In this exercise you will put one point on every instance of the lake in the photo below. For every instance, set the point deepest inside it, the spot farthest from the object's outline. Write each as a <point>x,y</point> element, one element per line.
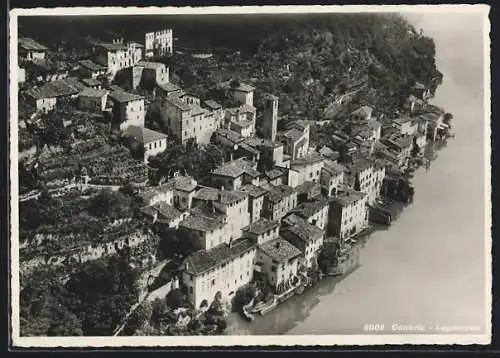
<point>429,267</point>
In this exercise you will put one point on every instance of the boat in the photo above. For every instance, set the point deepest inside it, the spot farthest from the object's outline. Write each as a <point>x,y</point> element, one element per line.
<point>380,214</point>
<point>245,311</point>
<point>269,305</point>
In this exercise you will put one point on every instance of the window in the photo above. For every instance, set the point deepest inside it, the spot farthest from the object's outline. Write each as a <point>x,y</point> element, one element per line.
<point>213,282</point>
<point>190,290</point>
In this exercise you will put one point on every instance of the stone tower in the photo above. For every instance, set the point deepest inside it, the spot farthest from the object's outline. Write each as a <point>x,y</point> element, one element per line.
<point>270,117</point>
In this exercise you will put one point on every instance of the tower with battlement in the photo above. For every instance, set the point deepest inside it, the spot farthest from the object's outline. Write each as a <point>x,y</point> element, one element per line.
<point>159,43</point>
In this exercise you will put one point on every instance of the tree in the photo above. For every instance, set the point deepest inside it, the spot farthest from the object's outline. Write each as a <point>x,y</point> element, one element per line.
<point>110,204</point>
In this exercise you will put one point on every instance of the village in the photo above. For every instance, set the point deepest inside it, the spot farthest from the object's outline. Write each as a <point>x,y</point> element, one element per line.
<point>274,216</point>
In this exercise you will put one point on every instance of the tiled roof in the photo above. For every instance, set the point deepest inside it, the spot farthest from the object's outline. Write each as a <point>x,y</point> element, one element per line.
<point>246,108</point>
<point>169,87</point>
<point>254,191</point>
<point>326,151</point>
<point>303,230</point>
<point>243,87</point>
<point>212,104</point>
<point>245,123</point>
<point>262,142</point>
<point>124,97</point>
<point>364,111</point>
<point>165,211</point>
<point>177,102</point>
<point>307,186</point>
<point>201,223</point>
<point>113,47</point>
<point>225,197</point>
<point>294,134</point>
<point>402,120</point>
<point>236,168</point>
<point>150,65</point>
<point>145,135</point>
<point>250,149</point>
<point>280,250</point>
<point>274,173</point>
<point>92,92</point>
<point>91,65</point>
<point>347,197</point>
<point>183,183</point>
<point>333,167</point>
<point>269,96</point>
<point>230,135</point>
<point>136,44</point>
<point>91,82</point>
<point>202,260</point>
<point>261,226</point>
<point>276,193</point>
<point>314,157</point>
<point>430,116</point>
<point>309,208</point>
<point>195,109</point>
<point>30,44</point>
<point>55,89</point>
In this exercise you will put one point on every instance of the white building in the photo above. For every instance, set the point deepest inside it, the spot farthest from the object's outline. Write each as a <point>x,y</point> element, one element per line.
<point>306,237</point>
<point>332,177</point>
<point>308,167</point>
<point>154,142</point>
<point>279,260</point>
<point>243,94</point>
<point>262,231</point>
<point>348,214</point>
<point>128,109</point>
<point>93,100</point>
<point>219,272</point>
<point>159,43</point>
<point>30,50</point>
<point>117,56</point>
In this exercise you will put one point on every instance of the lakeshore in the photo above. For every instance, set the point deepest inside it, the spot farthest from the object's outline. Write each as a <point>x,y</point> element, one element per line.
<point>428,266</point>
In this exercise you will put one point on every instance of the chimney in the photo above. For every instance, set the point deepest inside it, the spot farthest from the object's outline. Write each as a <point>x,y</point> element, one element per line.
<point>231,242</point>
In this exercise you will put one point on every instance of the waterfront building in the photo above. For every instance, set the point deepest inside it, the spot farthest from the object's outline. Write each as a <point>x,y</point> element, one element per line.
<point>235,174</point>
<point>152,141</point>
<point>243,94</point>
<point>187,120</point>
<point>331,178</point>
<point>420,91</point>
<point>255,200</point>
<point>128,109</point>
<point>93,100</point>
<point>405,125</point>
<point>262,230</point>
<point>400,147</point>
<point>366,176</point>
<point>434,117</point>
<point>90,69</point>
<point>314,211</point>
<point>159,43</point>
<point>219,272</point>
<point>29,49</point>
<point>306,237</point>
<point>278,260</point>
<point>270,117</point>
<point>278,201</point>
<point>308,167</point>
<point>348,214</point>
